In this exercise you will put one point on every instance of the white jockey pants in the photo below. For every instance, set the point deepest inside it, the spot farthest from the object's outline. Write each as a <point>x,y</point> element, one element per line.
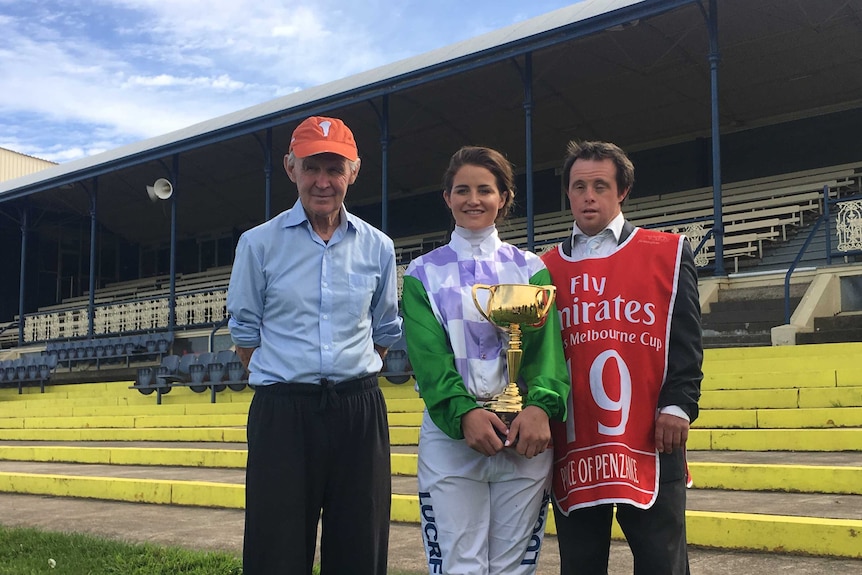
<point>480,515</point>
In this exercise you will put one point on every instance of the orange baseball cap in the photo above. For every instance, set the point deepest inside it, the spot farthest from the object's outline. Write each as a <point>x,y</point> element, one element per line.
<point>319,134</point>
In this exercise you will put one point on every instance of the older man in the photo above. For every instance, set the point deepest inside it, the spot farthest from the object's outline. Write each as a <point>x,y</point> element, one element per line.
<point>313,308</point>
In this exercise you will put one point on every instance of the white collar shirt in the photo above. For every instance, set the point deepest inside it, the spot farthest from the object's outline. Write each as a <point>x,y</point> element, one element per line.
<point>600,245</point>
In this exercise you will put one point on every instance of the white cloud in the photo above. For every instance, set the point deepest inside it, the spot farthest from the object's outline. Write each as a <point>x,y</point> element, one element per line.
<point>81,77</point>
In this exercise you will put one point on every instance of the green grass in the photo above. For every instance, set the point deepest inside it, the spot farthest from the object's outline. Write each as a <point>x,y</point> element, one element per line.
<point>31,552</point>
<point>25,551</point>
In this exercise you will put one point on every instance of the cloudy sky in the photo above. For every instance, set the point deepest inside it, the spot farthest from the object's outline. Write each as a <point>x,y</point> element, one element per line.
<point>78,77</point>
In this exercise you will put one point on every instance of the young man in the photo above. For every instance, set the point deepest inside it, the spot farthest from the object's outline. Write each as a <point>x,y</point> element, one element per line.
<point>313,307</point>
<point>630,318</point>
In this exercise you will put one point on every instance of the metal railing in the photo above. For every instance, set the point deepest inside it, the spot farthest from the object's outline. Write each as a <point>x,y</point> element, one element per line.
<point>827,218</point>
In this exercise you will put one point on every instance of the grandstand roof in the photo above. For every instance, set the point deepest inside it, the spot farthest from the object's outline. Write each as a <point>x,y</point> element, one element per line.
<point>632,71</point>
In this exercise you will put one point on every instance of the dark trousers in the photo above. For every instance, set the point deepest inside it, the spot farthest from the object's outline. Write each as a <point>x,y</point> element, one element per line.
<point>317,448</point>
<point>656,535</point>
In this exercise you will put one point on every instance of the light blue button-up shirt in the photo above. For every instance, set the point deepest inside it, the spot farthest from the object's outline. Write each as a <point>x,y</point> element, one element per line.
<point>313,309</point>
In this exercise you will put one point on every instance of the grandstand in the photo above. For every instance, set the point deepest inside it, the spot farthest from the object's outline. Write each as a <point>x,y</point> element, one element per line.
<point>163,266</point>
<point>127,296</point>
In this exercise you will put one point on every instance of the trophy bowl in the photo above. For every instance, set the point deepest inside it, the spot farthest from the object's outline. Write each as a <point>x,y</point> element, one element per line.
<point>509,306</point>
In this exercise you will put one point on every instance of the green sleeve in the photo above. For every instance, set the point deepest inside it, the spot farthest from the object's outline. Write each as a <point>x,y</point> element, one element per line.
<point>543,364</point>
<point>441,386</point>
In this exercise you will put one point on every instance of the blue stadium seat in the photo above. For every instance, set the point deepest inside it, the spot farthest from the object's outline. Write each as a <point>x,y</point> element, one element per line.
<point>236,373</point>
<point>47,365</point>
<point>396,366</point>
<point>130,344</point>
<point>20,370</point>
<point>12,370</point>
<point>168,371</point>
<point>150,342</point>
<point>164,341</point>
<point>181,374</point>
<point>145,379</point>
<point>119,346</point>
<point>32,363</point>
<point>198,371</point>
<point>217,367</point>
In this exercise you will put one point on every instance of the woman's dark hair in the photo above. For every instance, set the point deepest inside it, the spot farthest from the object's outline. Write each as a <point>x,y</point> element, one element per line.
<point>494,162</point>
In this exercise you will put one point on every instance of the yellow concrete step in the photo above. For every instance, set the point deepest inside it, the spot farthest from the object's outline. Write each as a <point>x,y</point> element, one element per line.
<point>791,534</point>
<point>796,418</point>
<point>125,421</point>
<point>799,478</point>
<point>172,416</point>
<point>808,377</point>
<point>111,405</point>
<point>769,380</point>
<point>710,400</point>
<point>836,350</point>
<point>767,477</point>
<point>120,396</point>
<point>403,391</point>
<point>775,439</point>
<point>783,364</point>
<point>178,409</point>
<point>187,434</point>
<point>699,439</point>
<point>405,405</point>
<point>781,398</point>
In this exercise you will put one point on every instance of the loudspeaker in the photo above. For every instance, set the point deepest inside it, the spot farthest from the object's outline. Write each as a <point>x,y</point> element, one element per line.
<point>160,190</point>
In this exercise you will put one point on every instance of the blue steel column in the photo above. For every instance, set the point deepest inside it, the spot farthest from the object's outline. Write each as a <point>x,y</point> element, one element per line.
<point>172,299</point>
<point>91,305</point>
<point>528,134</point>
<point>266,148</point>
<point>827,219</point>
<point>267,171</point>
<point>384,163</point>
<point>22,284</point>
<point>714,59</point>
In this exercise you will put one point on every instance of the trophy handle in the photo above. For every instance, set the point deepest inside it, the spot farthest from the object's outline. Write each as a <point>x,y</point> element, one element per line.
<point>550,292</point>
<point>476,288</point>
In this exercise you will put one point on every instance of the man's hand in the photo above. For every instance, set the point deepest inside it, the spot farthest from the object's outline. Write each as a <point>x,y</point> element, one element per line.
<point>244,354</point>
<point>381,351</point>
<point>532,432</point>
<point>671,432</point>
<point>480,428</point>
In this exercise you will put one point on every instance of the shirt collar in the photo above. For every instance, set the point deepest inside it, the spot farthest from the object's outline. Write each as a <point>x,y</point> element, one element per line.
<point>488,246</point>
<point>615,227</point>
<point>296,216</point>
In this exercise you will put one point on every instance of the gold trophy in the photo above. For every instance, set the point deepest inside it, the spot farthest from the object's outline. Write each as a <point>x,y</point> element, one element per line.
<point>509,307</point>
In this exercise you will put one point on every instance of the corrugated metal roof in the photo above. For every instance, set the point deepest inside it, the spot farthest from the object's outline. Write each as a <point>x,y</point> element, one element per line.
<point>278,110</point>
<point>15,164</point>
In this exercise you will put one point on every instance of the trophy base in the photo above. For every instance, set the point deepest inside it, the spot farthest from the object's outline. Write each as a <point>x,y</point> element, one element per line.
<point>507,417</point>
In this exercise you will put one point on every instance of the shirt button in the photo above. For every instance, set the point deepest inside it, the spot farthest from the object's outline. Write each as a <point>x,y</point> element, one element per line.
<point>325,317</point>
<point>483,356</point>
<point>325,284</point>
<point>325,347</point>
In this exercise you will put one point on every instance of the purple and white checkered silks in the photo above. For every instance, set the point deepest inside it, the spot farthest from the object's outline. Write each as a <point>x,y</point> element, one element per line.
<point>448,274</point>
